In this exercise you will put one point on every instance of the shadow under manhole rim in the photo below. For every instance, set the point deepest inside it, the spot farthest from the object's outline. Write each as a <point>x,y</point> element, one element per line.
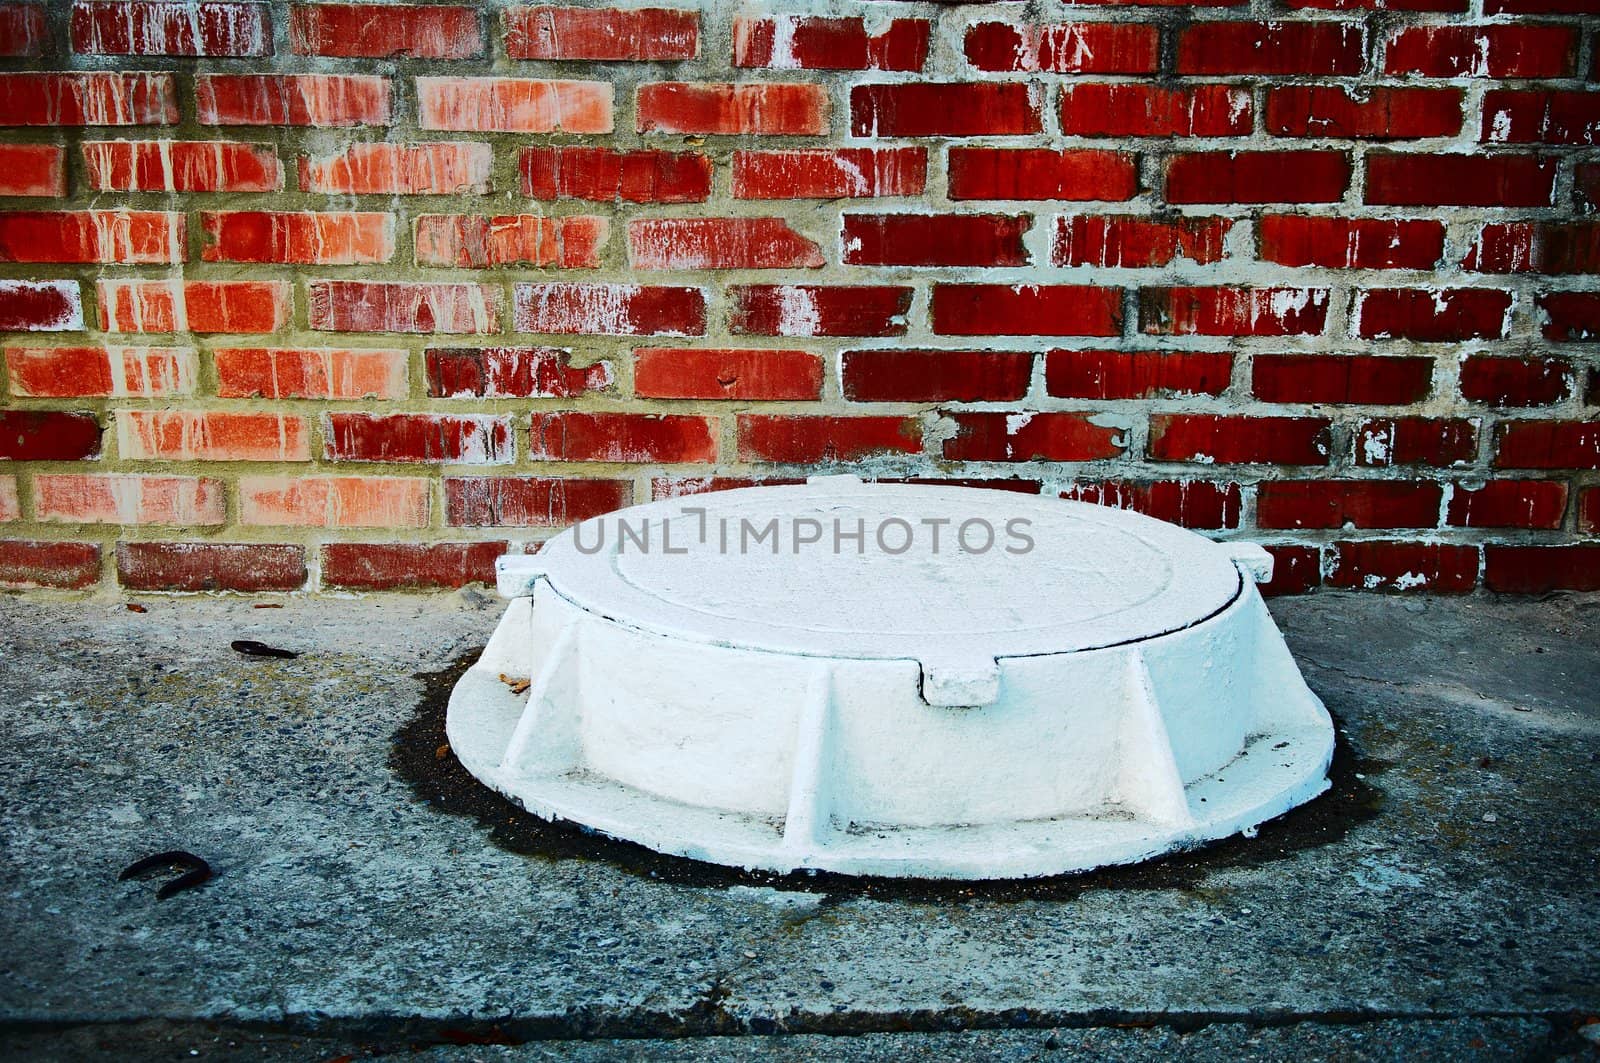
<point>422,757</point>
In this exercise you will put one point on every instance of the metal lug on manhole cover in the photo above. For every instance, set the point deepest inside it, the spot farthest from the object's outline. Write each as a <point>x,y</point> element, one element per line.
<point>805,677</point>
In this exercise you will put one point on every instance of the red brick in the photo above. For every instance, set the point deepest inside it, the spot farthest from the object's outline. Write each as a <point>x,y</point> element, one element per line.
<point>513,105</point>
<point>408,566</point>
<point>1374,114</point>
<point>818,310</point>
<point>193,306</point>
<point>1187,503</point>
<point>935,239</point>
<point>74,498</point>
<point>1065,48</point>
<point>1541,7</point>
<point>1295,570</point>
<point>1570,316</point>
<point>399,306</point>
<point>334,501</point>
<point>1432,316</point>
<point>684,486</point>
<point>928,109</point>
<point>745,108</point>
<point>1514,381</point>
<point>1508,504</point>
<point>1233,311</point>
<point>1134,110</point>
<point>1547,445</point>
<point>10,506</point>
<point>1588,181</point>
<point>392,31</point>
<point>1135,374</point>
<point>1439,441</point>
<point>1540,569</point>
<point>1374,380</point>
<point>1325,48</point>
<point>40,306</point>
<point>1589,510</point>
<point>182,166</point>
<point>310,372</point>
<point>435,168</point>
<point>829,173</point>
<point>719,243</point>
<point>624,437</point>
<point>1235,440</point>
<point>1042,173</point>
<point>80,99</point>
<point>1436,568</point>
<point>23,30</point>
<point>33,170</point>
<point>610,309</point>
<point>896,375</point>
<point>530,501</point>
<point>1033,437</point>
<point>1450,6</point>
<point>476,242</point>
<point>26,563</point>
<point>216,435</point>
<point>1348,503</point>
<point>977,483</point>
<point>120,372</point>
<point>510,372</point>
<point>605,34</point>
<point>1350,243</point>
<point>1517,116</point>
<point>1026,310</point>
<point>1257,177</point>
<point>171,27</point>
<point>1536,247</point>
<point>130,237</point>
<point>428,438</point>
<point>39,435</point>
<point>604,175</point>
<point>721,373</point>
<point>1482,51</point>
<point>1133,241</point>
<point>1459,180</point>
<point>803,42</point>
<point>337,238</point>
<point>817,440</point>
<point>321,100</point>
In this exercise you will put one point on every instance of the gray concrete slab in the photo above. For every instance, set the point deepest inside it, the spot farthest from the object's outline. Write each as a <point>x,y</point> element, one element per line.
<point>1449,895</point>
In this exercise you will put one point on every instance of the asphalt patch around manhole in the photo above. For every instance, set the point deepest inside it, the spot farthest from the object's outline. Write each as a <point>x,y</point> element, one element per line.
<point>421,756</point>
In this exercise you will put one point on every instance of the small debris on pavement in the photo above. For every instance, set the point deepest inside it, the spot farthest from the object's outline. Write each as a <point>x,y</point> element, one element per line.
<point>135,607</point>
<point>251,648</point>
<point>517,685</point>
<point>198,870</point>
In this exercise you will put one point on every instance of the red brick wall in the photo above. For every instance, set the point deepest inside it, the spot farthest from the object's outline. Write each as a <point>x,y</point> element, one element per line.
<point>331,295</point>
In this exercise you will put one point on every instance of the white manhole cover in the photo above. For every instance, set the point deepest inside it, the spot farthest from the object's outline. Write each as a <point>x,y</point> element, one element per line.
<point>892,680</point>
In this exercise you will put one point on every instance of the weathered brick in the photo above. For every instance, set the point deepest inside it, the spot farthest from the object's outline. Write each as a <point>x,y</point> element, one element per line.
<point>1438,441</point>
<point>1373,114</point>
<point>510,372</point>
<point>1570,316</point>
<point>935,239</point>
<point>530,501</point>
<point>33,170</point>
<point>604,34</point>
<point>1526,116</point>
<point>411,566</point>
<point>40,306</point>
<point>1026,310</point>
<point>1496,51</point>
<point>181,166</point>
<point>330,238</point>
<point>392,31</point>
<point>1226,439</point>
<point>685,486</point>
<point>472,241</point>
<point>401,306</point>
<point>719,243</point>
<point>1257,177</point>
<point>1528,380</point>
<point>1194,311</point>
<point>435,168</point>
<point>23,30</point>
<point>513,105</point>
<point>310,372</point>
<point>605,175</point>
<point>744,108</point>
<point>1135,110</point>
<point>334,501</point>
<point>426,438</point>
<point>193,306</point>
<point>1459,180</point>
<point>897,375</point>
<point>321,100</point>
<point>87,98</point>
<point>1042,173</point>
<point>1034,437</point>
<point>1187,503</point>
<point>121,498</point>
<point>622,437</point>
<point>1348,504</point>
<point>1132,240</point>
<point>40,435</point>
<point>1536,247</point>
<point>1135,374</point>
<point>1375,380</point>
<point>10,504</point>
<point>828,173</point>
<point>116,372</point>
<point>1350,243</point>
<point>805,42</point>
<point>1541,569</point>
<point>1295,570</point>
<point>171,27</point>
<point>1325,48</point>
<point>927,109</point>
<point>1589,510</point>
<point>1436,568</point>
<point>723,373</point>
<point>26,563</point>
<point>819,310</point>
<point>131,237</point>
<point>1547,445</point>
<point>1508,504</point>
<point>1432,316</point>
<point>214,435</point>
<point>817,440</point>
<point>610,309</point>
<point>1065,48</point>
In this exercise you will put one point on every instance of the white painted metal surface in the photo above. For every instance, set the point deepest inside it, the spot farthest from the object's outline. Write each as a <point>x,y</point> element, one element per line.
<point>797,677</point>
